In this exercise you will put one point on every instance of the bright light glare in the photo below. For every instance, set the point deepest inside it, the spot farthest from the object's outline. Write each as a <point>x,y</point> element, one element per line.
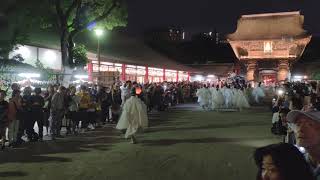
<point>24,52</point>
<point>98,32</point>
<point>199,78</point>
<point>280,92</point>
<point>50,56</point>
<point>210,76</point>
<point>29,75</point>
<point>81,76</point>
<point>301,149</point>
<point>297,77</point>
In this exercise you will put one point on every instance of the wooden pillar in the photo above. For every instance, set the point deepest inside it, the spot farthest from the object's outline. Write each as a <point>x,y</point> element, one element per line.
<point>146,77</point>
<point>251,68</point>
<point>123,73</point>
<point>177,76</point>
<point>164,74</point>
<point>188,76</point>
<point>90,70</point>
<point>283,70</point>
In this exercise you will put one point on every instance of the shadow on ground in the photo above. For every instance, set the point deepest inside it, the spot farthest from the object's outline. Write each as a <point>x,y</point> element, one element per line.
<point>38,152</point>
<point>168,142</point>
<point>211,126</point>
<point>12,174</point>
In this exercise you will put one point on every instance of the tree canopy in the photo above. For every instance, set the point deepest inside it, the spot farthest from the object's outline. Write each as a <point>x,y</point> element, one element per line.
<point>77,15</point>
<point>67,17</point>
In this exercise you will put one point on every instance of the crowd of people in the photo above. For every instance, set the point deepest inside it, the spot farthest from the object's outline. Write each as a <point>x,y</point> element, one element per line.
<point>229,96</point>
<point>82,108</point>
<point>296,117</point>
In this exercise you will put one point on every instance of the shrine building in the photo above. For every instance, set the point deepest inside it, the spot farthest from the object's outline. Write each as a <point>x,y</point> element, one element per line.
<point>268,44</point>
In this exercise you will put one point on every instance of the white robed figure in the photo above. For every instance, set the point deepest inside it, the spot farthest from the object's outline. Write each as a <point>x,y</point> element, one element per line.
<point>258,93</point>
<point>214,98</point>
<point>204,97</point>
<point>235,96</point>
<point>133,116</point>
<point>242,101</point>
<point>227,94</point>
<point>220,98</point>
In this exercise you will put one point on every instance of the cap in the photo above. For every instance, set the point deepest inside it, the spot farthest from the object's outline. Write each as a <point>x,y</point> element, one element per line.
<point>292,115</point>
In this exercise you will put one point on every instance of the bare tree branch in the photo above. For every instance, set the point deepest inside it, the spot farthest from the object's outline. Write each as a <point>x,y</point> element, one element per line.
<point>78,6</point>
<point>59,11</point>
<point>74,4</point>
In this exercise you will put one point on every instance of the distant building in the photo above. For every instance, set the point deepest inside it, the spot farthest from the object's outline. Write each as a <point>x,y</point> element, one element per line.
<point>169,34</point>
<point>269,43</point>
<point>210,36</point>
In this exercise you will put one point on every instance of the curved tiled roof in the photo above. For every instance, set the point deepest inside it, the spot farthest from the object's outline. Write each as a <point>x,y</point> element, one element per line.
<point>115,47</point>
<point>269,26</point>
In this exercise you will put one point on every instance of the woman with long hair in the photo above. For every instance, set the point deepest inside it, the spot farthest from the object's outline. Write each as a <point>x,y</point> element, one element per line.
<point>281,162</point>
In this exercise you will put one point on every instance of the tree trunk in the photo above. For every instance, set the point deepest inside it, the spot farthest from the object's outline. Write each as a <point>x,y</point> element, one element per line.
<point>66,70</point>
<point>70,49</point>
<point>64,48</point>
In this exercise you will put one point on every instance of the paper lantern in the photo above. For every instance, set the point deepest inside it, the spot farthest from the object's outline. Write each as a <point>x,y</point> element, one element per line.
<point>138,90</point>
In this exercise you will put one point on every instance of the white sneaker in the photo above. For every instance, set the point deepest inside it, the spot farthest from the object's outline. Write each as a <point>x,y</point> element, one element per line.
<point>91,127</point>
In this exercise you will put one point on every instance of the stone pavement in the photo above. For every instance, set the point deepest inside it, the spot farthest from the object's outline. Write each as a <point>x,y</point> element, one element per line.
<point>182,143</point>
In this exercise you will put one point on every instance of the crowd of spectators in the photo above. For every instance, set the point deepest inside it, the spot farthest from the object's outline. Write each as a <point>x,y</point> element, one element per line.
<point>77,108</point>
<point>296,117</point>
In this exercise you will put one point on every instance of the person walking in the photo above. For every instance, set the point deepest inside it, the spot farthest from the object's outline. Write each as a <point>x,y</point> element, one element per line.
<point>57,112</point>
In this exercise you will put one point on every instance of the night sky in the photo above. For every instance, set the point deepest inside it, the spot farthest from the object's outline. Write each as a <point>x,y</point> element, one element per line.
<point>207,15</point>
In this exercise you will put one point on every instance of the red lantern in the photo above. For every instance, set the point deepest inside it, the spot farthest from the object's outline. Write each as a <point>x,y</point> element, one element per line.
<point>138,90</point>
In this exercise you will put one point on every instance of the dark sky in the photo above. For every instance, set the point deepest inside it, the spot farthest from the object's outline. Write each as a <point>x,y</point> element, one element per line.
<point>206,15</point>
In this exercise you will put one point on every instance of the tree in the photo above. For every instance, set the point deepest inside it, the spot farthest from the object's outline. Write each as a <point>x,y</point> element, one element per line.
<point>74,16</point>
<point>80,56</point>
<point>15,21</point>
<point>47,74</point>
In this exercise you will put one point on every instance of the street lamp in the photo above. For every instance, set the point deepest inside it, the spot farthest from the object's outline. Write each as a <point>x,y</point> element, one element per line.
<point>99,33</point>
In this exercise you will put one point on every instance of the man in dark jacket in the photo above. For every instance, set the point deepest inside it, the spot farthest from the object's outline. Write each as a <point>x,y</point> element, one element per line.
<point>37,103</point>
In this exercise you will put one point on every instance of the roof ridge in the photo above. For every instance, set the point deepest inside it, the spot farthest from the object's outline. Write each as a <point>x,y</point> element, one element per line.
<point>271,14</point>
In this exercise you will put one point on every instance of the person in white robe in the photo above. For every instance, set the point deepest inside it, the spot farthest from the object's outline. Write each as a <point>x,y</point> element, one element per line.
<point>235,96</point>
<point>204,97</point>
<point>220,98</point>
<point>125,91</point>
<point>133,116</point>
<point>258,93</point>
<point>214,98</point>
<point>227,93</point>
<point>242,101</point>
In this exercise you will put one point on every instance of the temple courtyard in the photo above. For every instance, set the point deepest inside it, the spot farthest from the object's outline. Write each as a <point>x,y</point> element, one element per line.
<point>182,143</point>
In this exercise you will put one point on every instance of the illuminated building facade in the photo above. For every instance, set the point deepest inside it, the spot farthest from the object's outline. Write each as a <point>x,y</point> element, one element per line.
<point>112,69</point>
<point>268,44</point>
